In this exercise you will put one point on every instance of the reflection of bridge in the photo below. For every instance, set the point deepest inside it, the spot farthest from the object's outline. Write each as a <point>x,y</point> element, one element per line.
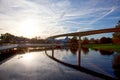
<point>5,56</point>
<point>85,33</point>
<point>26,45</point>
<point>80,34</point>
<point>79,67</point>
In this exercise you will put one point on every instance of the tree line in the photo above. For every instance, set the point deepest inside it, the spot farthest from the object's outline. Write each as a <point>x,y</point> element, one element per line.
<point>12,39</point>
<point>104,40</point>
<point>8,38</point>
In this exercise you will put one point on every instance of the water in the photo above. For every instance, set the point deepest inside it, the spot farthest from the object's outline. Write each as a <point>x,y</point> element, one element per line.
<point>61,64</point>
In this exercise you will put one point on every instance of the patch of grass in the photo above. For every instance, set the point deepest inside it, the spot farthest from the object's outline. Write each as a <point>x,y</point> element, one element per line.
<point>106,47</point>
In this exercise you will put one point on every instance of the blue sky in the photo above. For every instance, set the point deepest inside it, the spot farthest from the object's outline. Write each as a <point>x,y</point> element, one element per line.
<point>45,18</point>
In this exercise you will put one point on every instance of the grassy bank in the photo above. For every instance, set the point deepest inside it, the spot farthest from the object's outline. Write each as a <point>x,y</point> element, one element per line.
<point>106,47</point>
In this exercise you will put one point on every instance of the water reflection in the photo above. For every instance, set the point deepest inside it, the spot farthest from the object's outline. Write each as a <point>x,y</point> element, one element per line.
<point>103,52</point>
<point>85,50</point>
<point>6,55</point>
<point>73,48</point>
<point>66,48</point>
<point>116,65</point>
<point>101,62</point>
<point>79,67</point>
<point>83,56</point>
<point>27,57</point>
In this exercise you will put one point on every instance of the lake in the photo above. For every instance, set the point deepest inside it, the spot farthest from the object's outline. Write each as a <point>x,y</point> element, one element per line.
<point>63,63</point>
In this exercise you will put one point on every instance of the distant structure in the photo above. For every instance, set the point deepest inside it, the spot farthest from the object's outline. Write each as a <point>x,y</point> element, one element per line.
<point>66,40</point>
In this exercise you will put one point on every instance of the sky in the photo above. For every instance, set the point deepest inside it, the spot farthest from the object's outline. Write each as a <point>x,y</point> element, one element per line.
<point>30,18</point>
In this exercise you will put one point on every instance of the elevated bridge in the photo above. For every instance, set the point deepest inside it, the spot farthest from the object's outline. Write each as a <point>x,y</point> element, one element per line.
<point>79,34</point>
<point>86,33</point>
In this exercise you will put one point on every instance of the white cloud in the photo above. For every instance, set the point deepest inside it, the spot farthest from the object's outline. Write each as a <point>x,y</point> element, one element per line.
<point>47,17</point>
<point>85,29</point>
<point>102,16</point>
<point>52,16</point>
<point>114,17</point>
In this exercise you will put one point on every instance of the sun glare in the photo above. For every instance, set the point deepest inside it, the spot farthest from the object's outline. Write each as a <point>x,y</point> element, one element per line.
<point>29,28</point>
<point>27,57</point>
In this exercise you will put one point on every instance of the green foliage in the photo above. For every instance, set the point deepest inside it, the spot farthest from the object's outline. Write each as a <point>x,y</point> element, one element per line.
<point>6,38</point>
<point>85,40</point>
<point>74,40</point>
<point>105,40</point>
<point>116,35</point>
<point>106,47</point>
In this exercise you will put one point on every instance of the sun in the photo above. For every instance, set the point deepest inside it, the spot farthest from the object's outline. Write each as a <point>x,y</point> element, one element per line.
<point>27,57</point>
<point>29,28</point>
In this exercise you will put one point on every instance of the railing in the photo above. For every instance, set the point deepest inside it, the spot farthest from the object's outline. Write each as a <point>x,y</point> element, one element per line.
<point>85,33</point>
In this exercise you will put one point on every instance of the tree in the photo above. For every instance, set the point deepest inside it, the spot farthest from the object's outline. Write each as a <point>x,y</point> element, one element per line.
<point>105,40</point>
<point>85,40</point>
<point>7,38</point>
<point>93,41</point>
<point>109,40</point>
<point>74,40</point>
<point>116,35</point>
<point>73,44</point>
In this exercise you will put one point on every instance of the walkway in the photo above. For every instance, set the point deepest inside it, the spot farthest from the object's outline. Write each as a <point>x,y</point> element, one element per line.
<point>26,45</point>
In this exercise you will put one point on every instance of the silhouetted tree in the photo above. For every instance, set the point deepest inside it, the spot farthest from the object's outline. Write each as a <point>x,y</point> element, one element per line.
<point>73,45</point>
<point>104,40</point>
<point>116,35</point>
<point>73,49</point>
<point>74,40</point>
<point>92,40</point>
<point>109,40</point>
<point>85,50</point>
<point>85,40</point>
<point>116,65</point>
<point>7,38</point>
<point>103,52</point>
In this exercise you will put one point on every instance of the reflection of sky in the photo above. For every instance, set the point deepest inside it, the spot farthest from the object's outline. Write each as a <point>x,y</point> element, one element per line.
<point>93,61</point>
<point>36,65</point>
<point>40,67</point>
<point>72,59</point>
<point>51,17</point>
<point>97,62</point>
